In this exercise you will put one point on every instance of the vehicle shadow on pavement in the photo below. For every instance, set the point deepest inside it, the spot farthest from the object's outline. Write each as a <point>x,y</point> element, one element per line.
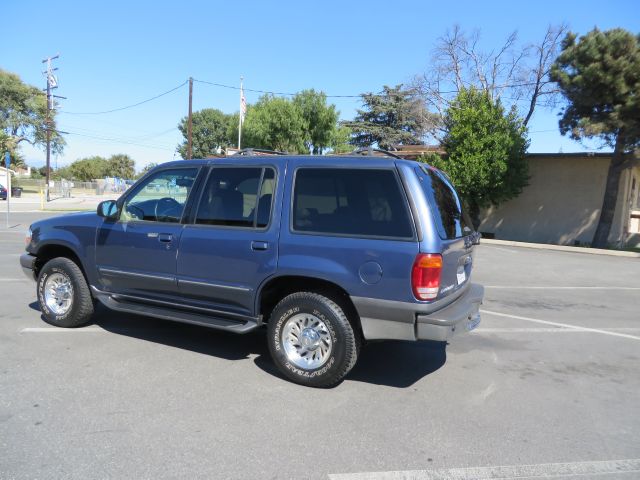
<point>391,363</point>
<point>398,364</point>
<point>207,341</point>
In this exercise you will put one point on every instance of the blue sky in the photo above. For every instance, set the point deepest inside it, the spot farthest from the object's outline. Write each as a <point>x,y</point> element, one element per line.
<point>117,53</point>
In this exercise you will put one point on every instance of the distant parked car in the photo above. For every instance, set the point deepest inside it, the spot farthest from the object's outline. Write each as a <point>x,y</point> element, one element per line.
<point>3,193</point>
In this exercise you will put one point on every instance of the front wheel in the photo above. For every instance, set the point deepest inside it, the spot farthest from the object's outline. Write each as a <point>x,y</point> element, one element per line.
<point>63,294</point>
<point>311,340</point>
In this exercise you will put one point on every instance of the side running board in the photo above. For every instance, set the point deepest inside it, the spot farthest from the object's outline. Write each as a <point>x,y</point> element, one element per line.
<point>122,304</point>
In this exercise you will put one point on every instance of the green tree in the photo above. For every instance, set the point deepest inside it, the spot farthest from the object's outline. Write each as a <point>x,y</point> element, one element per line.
<point>147,168</point>
<point>396,116</point>
<point>341,140</point>
<point>320,119</point>
<point>275,123</point>
<point>85,169</point>
<point>485,149</point>
<point>121,166</point>
<point>23,116</point>
<point>210,132</point>
<point>599,75</point>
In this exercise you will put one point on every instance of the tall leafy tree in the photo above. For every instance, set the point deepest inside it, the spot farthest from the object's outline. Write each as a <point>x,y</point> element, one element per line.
<point>395,116</point>
<point>23,116</point>
<point>275,123</point>
<point>599,74</point>
<point>485,150</point>
<point>340,140</point>
<point>210,132</point>
<point>320,119</point>
<point>86,169</point>
<point>121,166</point>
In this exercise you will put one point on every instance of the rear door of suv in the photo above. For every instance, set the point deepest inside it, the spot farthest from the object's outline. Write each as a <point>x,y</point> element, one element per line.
<point>455,234</point>
<point>348,222</point>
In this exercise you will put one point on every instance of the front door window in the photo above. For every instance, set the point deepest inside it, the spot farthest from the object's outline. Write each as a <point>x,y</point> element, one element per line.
<point>161,197</point>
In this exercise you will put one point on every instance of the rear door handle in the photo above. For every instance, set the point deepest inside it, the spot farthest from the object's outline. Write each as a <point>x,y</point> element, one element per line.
<point>259,245</point>
<point>165,237</point>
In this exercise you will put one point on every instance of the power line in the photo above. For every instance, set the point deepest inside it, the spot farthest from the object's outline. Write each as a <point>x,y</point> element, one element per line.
<point>133,138</point>
<point>116,140</point>
<point>128,106</point>
<point>269,92</point>
<point>232,87</point>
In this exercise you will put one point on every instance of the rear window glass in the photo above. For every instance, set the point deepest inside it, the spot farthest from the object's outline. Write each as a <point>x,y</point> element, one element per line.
<point>350,202</point>
<point>451,220</point>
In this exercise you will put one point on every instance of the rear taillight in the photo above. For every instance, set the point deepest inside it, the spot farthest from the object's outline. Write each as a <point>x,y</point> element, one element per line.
<point>425,276</point>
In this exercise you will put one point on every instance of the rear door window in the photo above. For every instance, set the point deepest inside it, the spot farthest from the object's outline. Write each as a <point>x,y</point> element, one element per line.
<point>237,197</point>
<point>355,202</point>
<point>448,214</point>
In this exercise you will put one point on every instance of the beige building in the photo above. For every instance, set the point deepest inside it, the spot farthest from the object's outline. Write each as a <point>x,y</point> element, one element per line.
<point>561,204</point>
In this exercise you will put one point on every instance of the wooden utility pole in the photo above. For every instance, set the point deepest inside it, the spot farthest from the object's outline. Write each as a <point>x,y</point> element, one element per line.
<point>189,123</point>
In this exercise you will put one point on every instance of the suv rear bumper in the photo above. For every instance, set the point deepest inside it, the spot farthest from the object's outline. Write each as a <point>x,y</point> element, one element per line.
<point>391,320</point>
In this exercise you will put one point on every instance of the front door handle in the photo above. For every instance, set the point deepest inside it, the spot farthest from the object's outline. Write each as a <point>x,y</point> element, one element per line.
<point>165,237</point>
<point>259,245</point>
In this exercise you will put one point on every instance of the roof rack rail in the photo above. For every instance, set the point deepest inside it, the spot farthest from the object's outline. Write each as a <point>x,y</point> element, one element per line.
<point>370,150</point>
<point>253,151</point>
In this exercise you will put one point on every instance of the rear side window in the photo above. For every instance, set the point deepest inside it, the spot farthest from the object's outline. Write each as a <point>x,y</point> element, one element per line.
<point>355,202</point>
<point>237,197</point>
<point>451,220</point>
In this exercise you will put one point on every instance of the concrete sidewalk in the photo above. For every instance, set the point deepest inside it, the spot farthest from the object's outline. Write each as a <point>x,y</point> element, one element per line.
<point>562,248</point>
<point>32,202</point>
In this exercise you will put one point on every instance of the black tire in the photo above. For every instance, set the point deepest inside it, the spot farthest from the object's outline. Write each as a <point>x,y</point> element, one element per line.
<point>81,309</point>
<point>345,347</point>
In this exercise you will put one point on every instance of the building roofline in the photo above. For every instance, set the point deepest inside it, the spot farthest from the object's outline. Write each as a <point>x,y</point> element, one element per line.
<point>571,154</point>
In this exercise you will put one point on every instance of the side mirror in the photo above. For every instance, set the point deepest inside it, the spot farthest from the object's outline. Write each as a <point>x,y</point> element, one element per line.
<point>108,209</point>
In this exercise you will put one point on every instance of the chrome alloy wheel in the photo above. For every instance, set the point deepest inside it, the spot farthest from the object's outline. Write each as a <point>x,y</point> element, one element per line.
<point>58,293</point>
<point>306,341</point>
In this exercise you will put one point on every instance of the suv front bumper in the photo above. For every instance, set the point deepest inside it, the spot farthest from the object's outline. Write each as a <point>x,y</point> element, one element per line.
<point>27,262</point>
<point>392,320</point>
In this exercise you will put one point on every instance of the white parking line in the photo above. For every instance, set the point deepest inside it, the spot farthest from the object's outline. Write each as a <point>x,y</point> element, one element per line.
<point>511,472</point>
<point>520,287</point>
<point>25,279</point>
<point>503,249</point>
<point>551,330</point>
<point>92,329</point>
<point>564,325</point>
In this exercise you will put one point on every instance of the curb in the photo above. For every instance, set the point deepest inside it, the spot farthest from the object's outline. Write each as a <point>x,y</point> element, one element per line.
<point>562,248</point>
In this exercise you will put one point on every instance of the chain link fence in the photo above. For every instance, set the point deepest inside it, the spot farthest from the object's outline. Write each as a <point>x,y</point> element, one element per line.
<point>67,188</point>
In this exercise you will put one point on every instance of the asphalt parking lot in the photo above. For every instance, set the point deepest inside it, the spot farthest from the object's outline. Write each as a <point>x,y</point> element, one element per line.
<point>547,387</point>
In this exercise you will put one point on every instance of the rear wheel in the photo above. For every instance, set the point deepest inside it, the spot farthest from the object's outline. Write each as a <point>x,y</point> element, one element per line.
<point>63,294</point>
<point>311,340</point>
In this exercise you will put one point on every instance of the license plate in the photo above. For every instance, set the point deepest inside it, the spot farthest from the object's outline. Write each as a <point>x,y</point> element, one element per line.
<point>461,274</point>
<point>473,323</point>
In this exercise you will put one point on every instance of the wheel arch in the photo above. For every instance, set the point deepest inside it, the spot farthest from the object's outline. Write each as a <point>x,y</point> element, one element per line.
<point>50,251</point>
<point>276,288</point>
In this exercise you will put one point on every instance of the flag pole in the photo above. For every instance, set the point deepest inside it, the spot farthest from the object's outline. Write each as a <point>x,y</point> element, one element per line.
<point>240,116</point>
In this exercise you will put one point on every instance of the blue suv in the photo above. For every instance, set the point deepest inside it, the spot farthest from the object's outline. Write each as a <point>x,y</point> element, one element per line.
<point>326,251</point>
